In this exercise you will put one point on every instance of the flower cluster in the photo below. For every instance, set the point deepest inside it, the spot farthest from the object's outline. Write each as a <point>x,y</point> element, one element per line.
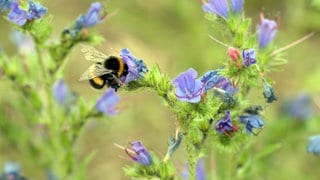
<point>20,16</point>
<point>95,15</point>
<point>221,7</point>
<point>190,89</point>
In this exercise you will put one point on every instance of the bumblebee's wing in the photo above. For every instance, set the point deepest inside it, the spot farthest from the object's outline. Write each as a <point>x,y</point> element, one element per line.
<point>93,71</point>
<point>91,54</point>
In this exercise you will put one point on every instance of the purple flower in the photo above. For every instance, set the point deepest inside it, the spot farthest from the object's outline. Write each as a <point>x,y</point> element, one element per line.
<point>248,57</point>
<point>212,79</point>
<point>269,93</point>
<point>62,94</point>
<point>92,18</point>
<point>267,30</point>
<point>226,85</point>
<point>188,88</point>
<point>314,145</point>
<point>107,103</point>
<point>60,91</point>
<point>139,153</point>
<point>224,125</point>
<point>251,121</point>
<point>17,15</point>
<point>218,7</point>
<point>5,5</point>
<point>36,10</point>
<point>298,107</point>
<point>237,5</point>
<point>20,16</point>
<point>200,171</point>
<point>136,67</point>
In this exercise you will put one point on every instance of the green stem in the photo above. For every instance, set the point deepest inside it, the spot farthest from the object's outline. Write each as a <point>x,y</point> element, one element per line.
<point>40,60</point>
<point>192,158</point>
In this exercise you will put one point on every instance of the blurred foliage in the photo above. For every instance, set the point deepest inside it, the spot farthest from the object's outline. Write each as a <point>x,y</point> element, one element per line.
<point>174,35</point>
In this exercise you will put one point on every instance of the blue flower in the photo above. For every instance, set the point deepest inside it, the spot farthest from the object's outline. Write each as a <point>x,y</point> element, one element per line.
<point>62,94</point>
<point>136,67</point>
<point>20,16</point>
<point>5,5</point>
<point>218,7</point>
<point>36,10</point>
<point>200,171</point>
<point>314,145</point>
<point>224,125</point>
<point>107,103</point>
<point>298,107</point>
<point>11,170</point>
<point>212,79</point>
<point>139,153</point>
<point>17,15</point>
<point>248,57</point>
<point>188,88</point>
<point>267,30</point>
<point>269,93</point>
<point>251,121</point>
<point>237,6</point>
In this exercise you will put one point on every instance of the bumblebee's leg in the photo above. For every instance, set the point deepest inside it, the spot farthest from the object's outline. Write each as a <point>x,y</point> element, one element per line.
<point>113,81</point>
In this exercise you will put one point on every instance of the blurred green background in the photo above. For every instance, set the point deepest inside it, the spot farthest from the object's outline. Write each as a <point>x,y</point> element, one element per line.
<point>174,35</point>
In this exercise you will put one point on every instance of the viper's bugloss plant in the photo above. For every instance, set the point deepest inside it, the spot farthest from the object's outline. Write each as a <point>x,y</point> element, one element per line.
<point>215,110</point>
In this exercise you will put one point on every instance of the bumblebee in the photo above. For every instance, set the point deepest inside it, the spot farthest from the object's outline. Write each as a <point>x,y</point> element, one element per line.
<point>107,70</point>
